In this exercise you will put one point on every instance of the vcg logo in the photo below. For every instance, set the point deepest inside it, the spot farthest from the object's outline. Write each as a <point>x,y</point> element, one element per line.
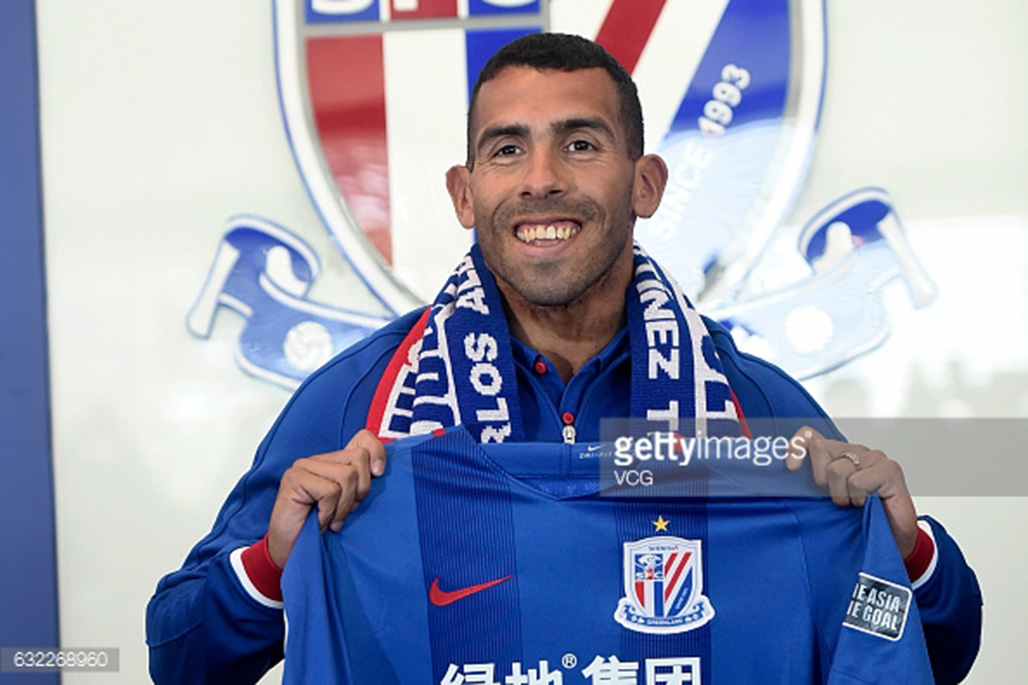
<point>374,94</point>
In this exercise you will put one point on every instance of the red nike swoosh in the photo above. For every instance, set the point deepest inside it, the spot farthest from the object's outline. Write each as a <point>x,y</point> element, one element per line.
<point>441,597</point>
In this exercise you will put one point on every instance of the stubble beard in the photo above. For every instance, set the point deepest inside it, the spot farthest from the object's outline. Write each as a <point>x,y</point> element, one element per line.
<point>555,282</point>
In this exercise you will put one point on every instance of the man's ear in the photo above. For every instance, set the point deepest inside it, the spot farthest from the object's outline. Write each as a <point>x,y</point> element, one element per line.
<point>650,179</point>
<point>458,182</point>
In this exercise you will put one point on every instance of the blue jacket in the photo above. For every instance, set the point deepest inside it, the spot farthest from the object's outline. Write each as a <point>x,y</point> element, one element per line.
<point>203,626</point>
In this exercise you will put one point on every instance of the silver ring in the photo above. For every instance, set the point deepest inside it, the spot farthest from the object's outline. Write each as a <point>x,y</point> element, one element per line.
<point>852,457</point>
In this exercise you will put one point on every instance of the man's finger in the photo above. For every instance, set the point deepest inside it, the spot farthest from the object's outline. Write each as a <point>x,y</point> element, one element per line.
<point>857,494</point>
<point>368,441</point>
<point>837,474</point>
<point>299,490</point>
<point>872,472</point>
<point>877,474</point>
<point>820,456</point>
<point>337,463</point>
<point>352,480</point>
<point>799,445</point>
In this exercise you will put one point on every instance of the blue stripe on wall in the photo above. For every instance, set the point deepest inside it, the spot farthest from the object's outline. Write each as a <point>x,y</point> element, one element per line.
<point>28,571</point>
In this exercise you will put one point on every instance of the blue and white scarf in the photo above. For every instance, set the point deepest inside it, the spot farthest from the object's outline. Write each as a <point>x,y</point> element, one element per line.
<point>455,367</point>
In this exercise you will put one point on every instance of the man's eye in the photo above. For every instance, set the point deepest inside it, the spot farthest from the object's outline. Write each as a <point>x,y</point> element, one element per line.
<point>507,150</point>
<point>581,146</point>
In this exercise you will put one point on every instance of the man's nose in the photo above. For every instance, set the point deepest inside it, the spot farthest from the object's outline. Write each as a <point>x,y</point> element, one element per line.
<point>545,175</point>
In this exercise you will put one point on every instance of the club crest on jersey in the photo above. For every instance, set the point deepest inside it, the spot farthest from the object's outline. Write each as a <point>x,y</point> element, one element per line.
<point>663,584</point>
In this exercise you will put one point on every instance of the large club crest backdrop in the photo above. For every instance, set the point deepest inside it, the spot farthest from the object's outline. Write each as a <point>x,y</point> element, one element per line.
<point>373,95</point>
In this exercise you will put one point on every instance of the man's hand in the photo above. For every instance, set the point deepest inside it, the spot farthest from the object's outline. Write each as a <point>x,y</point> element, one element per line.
<point>850,471</point>
<point>336,482</point>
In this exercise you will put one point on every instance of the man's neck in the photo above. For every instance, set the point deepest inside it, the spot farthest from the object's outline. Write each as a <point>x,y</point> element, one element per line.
<point>570,335</point>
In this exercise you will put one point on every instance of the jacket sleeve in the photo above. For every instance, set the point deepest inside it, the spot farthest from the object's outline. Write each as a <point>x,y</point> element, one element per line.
<point>950,602</point>
<point>206,623</point>
<point>948,596</point>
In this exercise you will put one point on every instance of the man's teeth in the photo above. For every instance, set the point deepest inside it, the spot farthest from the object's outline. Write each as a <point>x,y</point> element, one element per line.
<point>529,233</point>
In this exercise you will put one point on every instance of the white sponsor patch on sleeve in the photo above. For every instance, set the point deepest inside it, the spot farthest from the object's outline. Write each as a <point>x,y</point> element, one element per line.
<point>878,607</point>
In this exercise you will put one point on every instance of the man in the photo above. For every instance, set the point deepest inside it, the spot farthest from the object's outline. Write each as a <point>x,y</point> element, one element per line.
<point>553,182</point>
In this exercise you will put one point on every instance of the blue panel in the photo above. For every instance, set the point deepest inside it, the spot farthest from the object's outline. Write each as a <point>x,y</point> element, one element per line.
<point>28,574</point>
<point>369,13</point>
<point>766,60</point>
<point>480,7</point>
<point>481,44</point>
<point>486,627</point>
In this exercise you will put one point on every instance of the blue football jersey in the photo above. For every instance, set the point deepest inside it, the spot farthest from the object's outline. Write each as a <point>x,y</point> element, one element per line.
<point>514,565</point>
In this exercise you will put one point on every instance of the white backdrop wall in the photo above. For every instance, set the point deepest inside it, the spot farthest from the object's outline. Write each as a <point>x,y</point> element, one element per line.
<point>160,120</point>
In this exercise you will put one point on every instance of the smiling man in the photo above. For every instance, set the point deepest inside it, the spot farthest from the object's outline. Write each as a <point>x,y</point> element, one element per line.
<point>553,183</point>
<point>553,321</point>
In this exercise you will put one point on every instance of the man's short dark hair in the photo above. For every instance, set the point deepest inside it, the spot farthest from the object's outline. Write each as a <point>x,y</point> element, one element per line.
<point>566,52</point>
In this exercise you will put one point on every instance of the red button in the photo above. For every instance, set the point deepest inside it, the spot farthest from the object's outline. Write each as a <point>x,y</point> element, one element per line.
<point>540,367</point>
<point>568,418</point>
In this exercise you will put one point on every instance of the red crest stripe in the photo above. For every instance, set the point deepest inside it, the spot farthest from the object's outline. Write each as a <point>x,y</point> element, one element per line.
<point>347,88</point>
<point>677,572</point>
<point>627,28</point>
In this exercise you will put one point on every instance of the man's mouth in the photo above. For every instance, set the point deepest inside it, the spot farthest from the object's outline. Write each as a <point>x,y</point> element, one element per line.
<point>555,230</point>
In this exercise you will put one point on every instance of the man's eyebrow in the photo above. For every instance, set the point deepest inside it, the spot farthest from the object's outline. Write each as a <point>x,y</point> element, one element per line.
<point>574,124</point>
<point>494,132</point>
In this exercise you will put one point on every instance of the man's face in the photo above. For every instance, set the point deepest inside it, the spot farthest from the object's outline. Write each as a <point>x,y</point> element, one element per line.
<point>550,185</point>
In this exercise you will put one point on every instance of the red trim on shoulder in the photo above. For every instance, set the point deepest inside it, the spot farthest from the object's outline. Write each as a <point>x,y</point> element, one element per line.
<point>262,570</point>
<point>918,561</point>
<point>745,427</point>
<point>385,385</point>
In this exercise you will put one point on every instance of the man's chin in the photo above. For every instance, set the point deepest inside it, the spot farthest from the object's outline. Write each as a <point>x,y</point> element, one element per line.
<point>548,297</point>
